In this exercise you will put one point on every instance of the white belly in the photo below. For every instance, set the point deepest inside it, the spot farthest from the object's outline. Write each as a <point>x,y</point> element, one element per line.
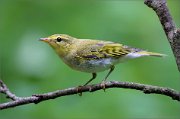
<point>93,66</point>
<point>98,65</point>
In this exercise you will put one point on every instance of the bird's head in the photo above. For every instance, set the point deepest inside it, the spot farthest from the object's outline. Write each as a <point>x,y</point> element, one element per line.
<point>61,43</point>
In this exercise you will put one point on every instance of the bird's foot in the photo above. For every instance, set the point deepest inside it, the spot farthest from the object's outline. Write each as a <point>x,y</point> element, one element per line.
<point>78,90</point>
<point>90,89</point>
<point>103,85</point>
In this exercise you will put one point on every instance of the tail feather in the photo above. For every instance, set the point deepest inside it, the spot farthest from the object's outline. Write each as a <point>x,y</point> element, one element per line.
<point>145,53</point>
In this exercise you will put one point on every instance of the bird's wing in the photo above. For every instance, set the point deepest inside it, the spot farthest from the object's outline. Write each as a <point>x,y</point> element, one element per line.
<point>102,50</point>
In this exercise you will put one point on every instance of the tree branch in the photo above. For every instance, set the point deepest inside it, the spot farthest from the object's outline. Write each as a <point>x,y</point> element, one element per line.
<point>172,33</point>
<point>147,89</point>
<point>4,89</point>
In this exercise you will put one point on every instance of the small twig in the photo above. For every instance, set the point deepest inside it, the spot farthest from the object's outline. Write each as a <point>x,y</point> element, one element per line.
<point>4,89</point>
<point>147,89</point>
<point>172,33</point>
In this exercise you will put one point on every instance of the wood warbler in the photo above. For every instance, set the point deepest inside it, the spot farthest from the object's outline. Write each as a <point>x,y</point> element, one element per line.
<point>93,56</point>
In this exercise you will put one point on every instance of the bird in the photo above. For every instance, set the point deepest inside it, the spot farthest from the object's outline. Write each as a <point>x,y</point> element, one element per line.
<point>93,56</point>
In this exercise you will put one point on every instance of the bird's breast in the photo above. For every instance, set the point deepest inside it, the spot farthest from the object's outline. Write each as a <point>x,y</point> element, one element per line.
<point>90,66</point>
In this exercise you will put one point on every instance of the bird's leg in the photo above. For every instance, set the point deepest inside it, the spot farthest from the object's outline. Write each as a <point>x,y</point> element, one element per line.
<point>103,81</point>
<point>93,77</point>
<point>110,71</point>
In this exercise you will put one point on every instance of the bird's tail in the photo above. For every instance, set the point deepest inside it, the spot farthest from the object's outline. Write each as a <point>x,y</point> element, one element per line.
<point>146,53</point>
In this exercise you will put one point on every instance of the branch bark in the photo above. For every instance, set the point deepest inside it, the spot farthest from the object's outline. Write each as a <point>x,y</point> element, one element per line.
<point>147,89</point>
<point>172,33</point>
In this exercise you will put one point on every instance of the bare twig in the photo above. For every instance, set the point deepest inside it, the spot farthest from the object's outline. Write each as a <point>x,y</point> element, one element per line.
<point>147,89</point>
<point>172,33</point>
<point>4,89</point>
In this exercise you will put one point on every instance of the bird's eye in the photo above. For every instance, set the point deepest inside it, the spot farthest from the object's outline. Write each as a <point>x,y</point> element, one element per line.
<point>59,39</point>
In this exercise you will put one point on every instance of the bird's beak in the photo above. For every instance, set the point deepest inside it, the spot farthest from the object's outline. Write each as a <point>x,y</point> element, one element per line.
<point>44,39</point>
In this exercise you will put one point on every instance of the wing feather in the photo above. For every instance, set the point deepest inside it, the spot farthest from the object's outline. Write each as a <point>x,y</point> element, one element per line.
<point>102,50</point>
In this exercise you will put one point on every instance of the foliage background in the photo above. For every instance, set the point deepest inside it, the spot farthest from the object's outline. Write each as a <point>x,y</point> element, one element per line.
<point>30,67</point>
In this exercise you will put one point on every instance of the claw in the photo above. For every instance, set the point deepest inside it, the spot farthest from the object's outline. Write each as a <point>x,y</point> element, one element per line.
<point>103,86</point>
<point>103,82</point>
<point>79,93</point>
<point>90,89</point>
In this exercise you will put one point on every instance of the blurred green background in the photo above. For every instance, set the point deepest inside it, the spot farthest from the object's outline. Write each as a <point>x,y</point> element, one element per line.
<point>31,67</point>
